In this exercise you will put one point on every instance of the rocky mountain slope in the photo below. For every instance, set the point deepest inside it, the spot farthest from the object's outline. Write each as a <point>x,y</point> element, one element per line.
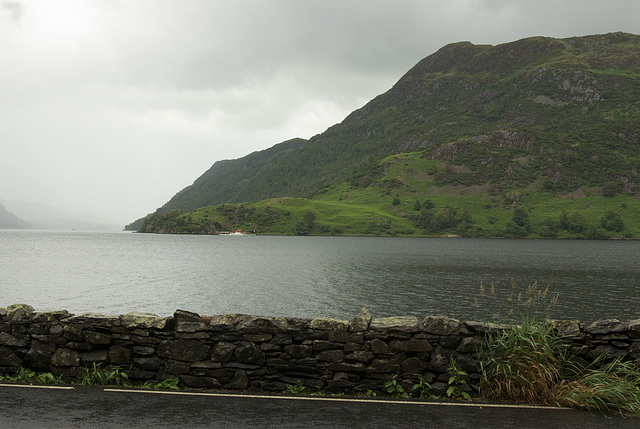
<point>556,114</point>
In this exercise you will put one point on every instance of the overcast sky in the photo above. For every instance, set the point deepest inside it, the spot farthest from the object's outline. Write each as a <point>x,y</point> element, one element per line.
<point>113,106</point>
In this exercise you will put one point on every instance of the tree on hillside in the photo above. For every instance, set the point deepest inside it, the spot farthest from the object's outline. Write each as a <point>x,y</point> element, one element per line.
<point>549,228</point>
<point>445,218</point>
<point>610,189</point>
<point>307,223</point>
<point>309,219</point>
<point>574,222</point>
<point>512,229</point>
<point>521,218</point>
<point>612,221</point>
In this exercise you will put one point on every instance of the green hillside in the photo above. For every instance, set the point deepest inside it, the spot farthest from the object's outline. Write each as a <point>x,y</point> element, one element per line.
<point>403,198</point>
<point>543,126</point>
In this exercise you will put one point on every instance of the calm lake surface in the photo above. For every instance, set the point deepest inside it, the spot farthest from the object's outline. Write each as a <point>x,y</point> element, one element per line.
<point>314,276</point>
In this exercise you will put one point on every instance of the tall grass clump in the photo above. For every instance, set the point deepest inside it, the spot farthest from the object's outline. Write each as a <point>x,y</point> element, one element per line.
<point>529,362</point>
<point>522,363</point>
<point>614,387</point>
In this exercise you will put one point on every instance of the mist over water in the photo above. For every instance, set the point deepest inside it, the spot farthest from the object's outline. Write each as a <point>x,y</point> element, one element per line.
<point>314,276</point>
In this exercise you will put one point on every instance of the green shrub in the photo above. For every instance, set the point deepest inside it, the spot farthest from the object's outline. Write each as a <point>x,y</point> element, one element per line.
<point>520,217</point>
<point>574,222</point>
<point>514,230</point>
<point>610,189</point>
<point>612,221</point>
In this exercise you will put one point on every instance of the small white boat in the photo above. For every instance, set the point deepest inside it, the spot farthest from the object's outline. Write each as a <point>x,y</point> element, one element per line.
<point>234,232</point>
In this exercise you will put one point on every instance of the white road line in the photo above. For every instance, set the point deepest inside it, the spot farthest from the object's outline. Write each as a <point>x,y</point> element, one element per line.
<point>321,398</point>
<point>37,386</point>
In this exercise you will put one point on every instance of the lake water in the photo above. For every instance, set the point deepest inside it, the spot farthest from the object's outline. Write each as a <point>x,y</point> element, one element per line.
<point>314,276</point>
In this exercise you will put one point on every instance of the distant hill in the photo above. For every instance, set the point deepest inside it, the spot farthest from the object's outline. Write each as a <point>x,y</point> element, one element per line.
<point>42,216</point>
<point>552,115</point>
<point>9,220</point>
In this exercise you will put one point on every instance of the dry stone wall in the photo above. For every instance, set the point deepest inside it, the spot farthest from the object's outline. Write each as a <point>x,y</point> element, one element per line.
<point>243,352</point>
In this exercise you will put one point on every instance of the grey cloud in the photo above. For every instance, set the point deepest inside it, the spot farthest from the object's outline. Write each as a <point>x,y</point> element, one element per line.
<point>232,46</point>
<point>337,49</point>
<point>15,10</point>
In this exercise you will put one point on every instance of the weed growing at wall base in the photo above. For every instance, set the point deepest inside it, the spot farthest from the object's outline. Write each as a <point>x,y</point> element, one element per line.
<point>25,375</point>
<point>166,384</point>
<point>297,389</point>
<point>422,388</point>
<point>393,388</point>
<point>457,381</point>
<point>96,375</point>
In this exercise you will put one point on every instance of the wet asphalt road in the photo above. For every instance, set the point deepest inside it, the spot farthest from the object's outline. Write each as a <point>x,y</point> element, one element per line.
<point>93,407</point>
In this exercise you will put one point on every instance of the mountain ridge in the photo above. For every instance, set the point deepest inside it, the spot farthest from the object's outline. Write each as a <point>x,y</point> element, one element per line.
<point>504,116</point>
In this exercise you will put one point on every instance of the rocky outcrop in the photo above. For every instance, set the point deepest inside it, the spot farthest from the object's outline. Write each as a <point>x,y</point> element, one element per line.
<point>236,351</point>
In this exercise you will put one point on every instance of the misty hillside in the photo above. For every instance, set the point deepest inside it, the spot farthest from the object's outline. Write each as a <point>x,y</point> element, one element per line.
<point>9,220</point>
<point>41,216</point>
<point>561,113</point>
